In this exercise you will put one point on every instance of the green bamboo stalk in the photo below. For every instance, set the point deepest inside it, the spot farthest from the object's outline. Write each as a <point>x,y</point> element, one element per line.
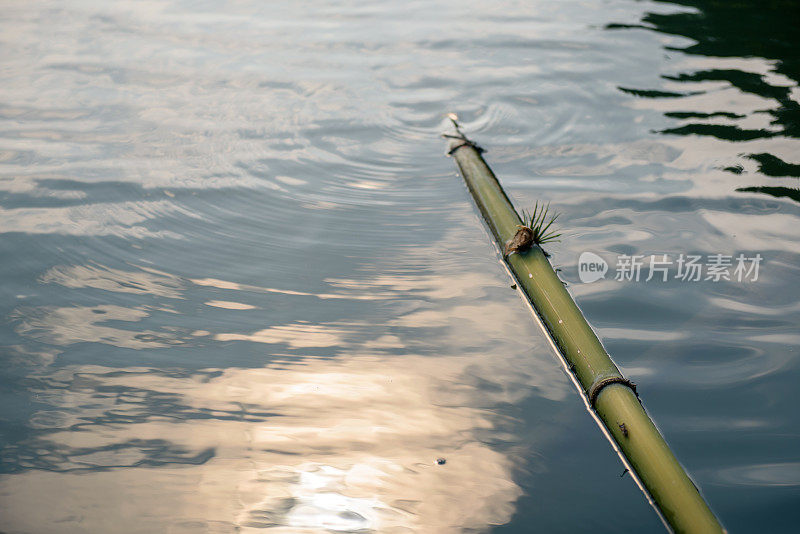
<point>608,393</point>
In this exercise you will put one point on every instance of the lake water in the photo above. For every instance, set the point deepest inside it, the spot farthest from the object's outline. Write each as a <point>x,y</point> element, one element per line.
<point>244,289</point>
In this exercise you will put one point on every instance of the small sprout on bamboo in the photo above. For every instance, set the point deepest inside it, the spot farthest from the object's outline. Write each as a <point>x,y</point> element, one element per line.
<point>540,222</point>
<point>534,230</point>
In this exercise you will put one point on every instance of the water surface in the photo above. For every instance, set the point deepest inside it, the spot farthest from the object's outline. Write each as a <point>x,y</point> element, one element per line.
<point>243,288</point>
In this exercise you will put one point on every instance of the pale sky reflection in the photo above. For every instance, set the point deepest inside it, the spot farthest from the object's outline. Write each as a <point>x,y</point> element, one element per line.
<point>307,444</point>
<point>79,324</point>
<point>122,219</point>
<point>141,281</point>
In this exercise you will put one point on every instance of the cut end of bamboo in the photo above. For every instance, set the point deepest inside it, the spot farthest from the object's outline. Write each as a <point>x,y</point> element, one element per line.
<point>457,138</point>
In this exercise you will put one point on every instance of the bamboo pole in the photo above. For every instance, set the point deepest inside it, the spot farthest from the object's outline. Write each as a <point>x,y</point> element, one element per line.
<point>612,397</point>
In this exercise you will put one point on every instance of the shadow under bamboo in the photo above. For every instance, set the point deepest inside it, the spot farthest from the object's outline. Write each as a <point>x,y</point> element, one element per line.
<point>612,397</point>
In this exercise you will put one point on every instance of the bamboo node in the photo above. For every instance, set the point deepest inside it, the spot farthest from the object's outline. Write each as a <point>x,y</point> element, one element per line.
<point>460,136</point>
<point>464,142</point>
<point>598,386</point>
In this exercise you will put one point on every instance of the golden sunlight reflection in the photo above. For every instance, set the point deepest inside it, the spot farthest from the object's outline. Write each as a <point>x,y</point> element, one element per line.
<point>320,445</point>
<point>228,305</point>
<point>298,335</point>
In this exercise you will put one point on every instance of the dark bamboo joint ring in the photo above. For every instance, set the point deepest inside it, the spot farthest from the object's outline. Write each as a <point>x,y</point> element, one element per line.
<point>598,386</point>
<point>464,142</point>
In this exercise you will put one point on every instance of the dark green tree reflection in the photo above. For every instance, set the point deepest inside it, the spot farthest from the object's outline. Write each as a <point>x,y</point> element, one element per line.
<point>737,29</point>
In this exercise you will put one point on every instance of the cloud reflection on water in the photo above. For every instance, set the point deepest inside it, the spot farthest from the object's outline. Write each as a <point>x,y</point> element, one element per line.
<point>339,430</point>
